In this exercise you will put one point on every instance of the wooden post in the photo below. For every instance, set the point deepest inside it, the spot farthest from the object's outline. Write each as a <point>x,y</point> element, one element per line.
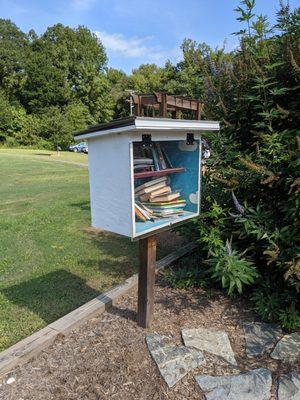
<point>199,109</point>
<point>163,105</point>
<point>139,106</point>
<point>146,281</point>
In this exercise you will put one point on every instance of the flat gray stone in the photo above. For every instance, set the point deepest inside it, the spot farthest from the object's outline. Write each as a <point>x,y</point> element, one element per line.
<point>289,387</point>
<point>173,362</point>
<point>288,348</point>
<point>252,385</point>
<point>261,337</point>
<point>212,341</point>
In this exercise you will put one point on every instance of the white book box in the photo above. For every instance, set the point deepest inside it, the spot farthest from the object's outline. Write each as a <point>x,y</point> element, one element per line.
<point>113,177</point>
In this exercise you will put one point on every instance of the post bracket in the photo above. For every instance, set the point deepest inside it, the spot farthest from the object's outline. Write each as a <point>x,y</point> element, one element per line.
<point>190,139</point>
<point>146,140</point>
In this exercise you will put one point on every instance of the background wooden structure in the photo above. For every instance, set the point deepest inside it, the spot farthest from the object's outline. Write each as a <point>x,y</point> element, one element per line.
<point>160,104</point>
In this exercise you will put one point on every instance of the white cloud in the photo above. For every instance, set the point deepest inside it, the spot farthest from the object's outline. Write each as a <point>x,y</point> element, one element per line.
<point>128,47</point>
<point>134,47</point>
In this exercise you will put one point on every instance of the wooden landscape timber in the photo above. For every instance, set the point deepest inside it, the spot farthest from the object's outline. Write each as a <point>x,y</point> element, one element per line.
<point>31,346</point>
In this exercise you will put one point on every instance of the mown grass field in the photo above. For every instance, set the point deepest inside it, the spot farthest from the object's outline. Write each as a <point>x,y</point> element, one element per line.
<point>50,260</point>
<point>46,155</point>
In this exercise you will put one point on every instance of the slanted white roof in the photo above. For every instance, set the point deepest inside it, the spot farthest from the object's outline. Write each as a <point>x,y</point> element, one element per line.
<point>147,124</point>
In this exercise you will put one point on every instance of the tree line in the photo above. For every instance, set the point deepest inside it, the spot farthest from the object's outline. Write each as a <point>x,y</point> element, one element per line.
<point>248,232</point>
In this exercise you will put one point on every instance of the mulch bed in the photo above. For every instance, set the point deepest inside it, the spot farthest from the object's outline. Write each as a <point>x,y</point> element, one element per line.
<point>107,357</point>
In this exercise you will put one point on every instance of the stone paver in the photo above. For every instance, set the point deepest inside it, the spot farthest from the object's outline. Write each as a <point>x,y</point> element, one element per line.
<point>212,341</point>
<point>260,337</point>
<point>288,348</point>
<point>173,362</point>
<point>289,387</point>
<point>252,385</point>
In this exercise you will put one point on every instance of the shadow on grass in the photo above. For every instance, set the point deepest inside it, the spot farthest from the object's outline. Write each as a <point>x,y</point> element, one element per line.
<point>52,295</point>
<point>82,205</point>
<point>42,154</point>
<point>119,255</point>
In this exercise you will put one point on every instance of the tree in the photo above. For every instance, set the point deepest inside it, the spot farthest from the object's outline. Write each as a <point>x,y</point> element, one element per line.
<point>147,78</point>
<point>118,84</point>
<point>12,118</point>
<point>66,65</point>
<point>13,43</point>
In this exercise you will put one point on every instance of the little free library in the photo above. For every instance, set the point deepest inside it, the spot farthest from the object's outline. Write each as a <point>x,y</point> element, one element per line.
<point>145,176</point>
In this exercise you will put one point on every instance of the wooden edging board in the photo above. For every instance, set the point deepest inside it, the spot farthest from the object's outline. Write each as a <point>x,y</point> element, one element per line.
<point>29,347</point>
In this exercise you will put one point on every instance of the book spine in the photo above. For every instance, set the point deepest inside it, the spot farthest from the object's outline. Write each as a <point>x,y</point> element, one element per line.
<point>161,157</point>
<point>155,159</point>
<point>166,157</point>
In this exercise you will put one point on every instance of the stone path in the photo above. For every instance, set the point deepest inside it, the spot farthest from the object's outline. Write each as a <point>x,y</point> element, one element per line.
<point>252,385</point>
<point>260,338</point>
<point>174,362</point>
<point>288,348</point>
<point>212,341</point>
<point>289,387</point>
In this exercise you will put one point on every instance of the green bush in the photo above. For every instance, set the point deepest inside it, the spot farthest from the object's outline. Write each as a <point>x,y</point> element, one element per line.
<point>274,304</point>
<point>290,318</point>
<point>251,187</point>
<point>188,272</point>
<point>232,271</point>
<point>53,127</point>
<point>184,277</point>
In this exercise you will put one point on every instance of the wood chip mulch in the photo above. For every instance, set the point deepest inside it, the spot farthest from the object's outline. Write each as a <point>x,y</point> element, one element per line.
<point>107,357</point>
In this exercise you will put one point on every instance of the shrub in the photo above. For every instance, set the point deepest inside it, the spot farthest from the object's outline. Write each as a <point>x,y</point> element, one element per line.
<point>53,127</point>
<point>252,183</point>
<point>289,317</point>
<point>188,272</point>
<point>232,271</point>
<point>184,277</point>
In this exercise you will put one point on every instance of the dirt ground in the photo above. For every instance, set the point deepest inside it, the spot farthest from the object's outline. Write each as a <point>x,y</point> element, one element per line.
<point>107,357</point>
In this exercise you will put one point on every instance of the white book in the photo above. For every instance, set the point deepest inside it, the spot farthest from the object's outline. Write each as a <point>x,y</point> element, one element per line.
<point>150,183</point>
<point>152,188</point>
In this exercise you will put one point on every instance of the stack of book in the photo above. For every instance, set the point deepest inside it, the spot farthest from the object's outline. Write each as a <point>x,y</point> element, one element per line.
<point>143,164</point>
<point>153,158</point>
<point>155,199</point>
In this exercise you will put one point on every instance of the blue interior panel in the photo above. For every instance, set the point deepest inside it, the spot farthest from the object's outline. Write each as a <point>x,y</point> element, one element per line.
<point>180,155</point>
<point>187,156</point>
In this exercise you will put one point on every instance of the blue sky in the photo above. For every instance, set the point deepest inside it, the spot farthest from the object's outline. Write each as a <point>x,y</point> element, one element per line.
<point>138,31</point>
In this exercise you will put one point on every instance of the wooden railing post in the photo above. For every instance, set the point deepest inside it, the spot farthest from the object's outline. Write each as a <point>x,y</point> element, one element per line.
<point>146,281</point>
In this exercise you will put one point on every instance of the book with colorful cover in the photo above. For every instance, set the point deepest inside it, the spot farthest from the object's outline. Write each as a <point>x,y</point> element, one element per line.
<point>167,213</point>
<point>166,207</point>
<point>178,201</point>
<point>140,216</point>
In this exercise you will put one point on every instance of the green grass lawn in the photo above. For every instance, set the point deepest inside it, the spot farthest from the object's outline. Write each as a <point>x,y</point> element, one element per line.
<point>50,260</point>
<point>47,155</point>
